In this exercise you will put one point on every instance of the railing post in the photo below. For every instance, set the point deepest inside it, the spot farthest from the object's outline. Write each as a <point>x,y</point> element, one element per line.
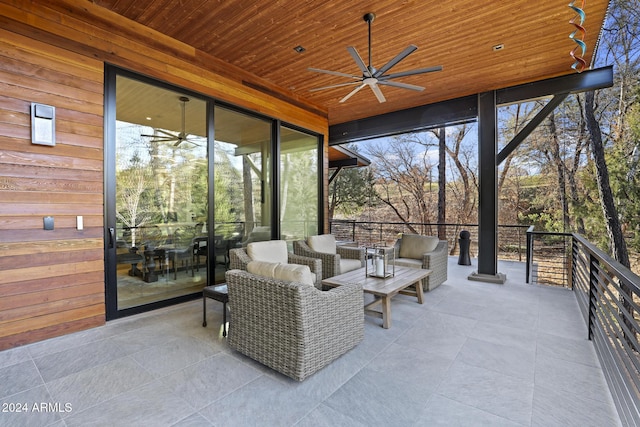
<point>519,245</point>
<point>572,261</point>
<point>529,253</point>
<point>593,283</point>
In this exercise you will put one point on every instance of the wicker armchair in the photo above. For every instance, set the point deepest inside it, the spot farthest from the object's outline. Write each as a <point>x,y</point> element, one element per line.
<point>291,327</point>
<point>335,259</point>
<point>276,251</point>
<point>435,260</point>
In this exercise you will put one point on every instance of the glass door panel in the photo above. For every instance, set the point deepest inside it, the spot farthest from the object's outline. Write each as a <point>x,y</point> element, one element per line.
<point>299,173</point>
<point>242,176</point>
<point>161,193</point>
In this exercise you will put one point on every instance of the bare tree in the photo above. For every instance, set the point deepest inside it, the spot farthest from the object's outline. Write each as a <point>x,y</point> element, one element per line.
<point>402,172</point>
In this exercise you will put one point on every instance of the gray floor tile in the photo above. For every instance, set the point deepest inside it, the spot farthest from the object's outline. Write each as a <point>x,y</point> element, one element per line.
<point>559,408</point>
<point>91,386</point>
<point>505,335</point>
<point>424,370</point>
<point>500,358</point>
<point>210,380</point>
<point>502,395</point>
<point>324,416</point>
<point>379,399</point>
<point>19,377</point>
<point>441,411</point>
<point>174,355</point>
<point>66,342</point>
<point>194,420</point>
<point>76,359</point>
<point>571,377</point>
<point>570,349</point>
<point>263,402</point>
<point>151,405</point>
<point>23,409</point>
<point>14,356</point>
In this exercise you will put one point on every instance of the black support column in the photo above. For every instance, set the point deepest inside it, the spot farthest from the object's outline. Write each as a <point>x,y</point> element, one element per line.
<point>488,191</point>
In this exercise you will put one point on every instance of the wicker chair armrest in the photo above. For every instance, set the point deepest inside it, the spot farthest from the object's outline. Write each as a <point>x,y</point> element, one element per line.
<point>315,265</point>
<point>438,256</point>
<point>238,259</point>
<point>350,252</point>
<point>330,262</point>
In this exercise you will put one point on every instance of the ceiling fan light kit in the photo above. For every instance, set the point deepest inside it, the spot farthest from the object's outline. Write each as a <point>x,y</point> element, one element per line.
<point>373,77</point>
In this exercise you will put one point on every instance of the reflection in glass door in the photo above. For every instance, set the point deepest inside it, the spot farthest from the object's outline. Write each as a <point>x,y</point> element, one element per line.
<point>161,194</point>
<point>242,182</point>
<point>299,203</point>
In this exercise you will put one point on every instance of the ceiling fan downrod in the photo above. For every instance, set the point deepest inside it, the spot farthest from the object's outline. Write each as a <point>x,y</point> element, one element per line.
<point>368,18</point>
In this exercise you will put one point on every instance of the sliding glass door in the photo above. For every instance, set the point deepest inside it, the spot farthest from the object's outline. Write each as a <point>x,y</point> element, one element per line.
<point>188,180</point>
<point>242,180</point>
<point>299,184</point>
<point>160,208</point>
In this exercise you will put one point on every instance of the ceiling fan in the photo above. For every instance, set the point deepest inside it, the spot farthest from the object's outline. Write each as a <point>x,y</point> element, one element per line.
<point>372,77</point>
<point>161,135</point>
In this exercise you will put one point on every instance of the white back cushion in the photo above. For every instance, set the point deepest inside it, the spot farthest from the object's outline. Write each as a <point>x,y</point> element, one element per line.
<point>268,251</point>
<point>325,243</point>
<point>414,245</point>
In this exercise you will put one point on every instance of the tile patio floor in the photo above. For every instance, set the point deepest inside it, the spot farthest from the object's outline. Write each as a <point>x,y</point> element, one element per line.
<point>475,354</point>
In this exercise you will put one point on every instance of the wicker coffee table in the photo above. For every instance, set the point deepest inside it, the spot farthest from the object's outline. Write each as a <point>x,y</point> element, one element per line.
<point>384,289</point>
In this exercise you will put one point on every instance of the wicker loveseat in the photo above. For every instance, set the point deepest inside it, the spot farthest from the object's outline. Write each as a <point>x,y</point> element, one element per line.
<point>416,251</point>
<point>291,327</point>
<point>335,259</point>
<point>273,251</point>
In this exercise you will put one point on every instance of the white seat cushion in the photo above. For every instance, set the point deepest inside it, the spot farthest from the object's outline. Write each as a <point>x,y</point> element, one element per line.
<point>268,251</point>
<point>325,243</point>
<point>349,265</point>
<point>414,245</point>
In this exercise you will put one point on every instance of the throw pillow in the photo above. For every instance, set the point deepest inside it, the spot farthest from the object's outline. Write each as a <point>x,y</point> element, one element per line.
<point>293,273</point>
<point>262,268</point>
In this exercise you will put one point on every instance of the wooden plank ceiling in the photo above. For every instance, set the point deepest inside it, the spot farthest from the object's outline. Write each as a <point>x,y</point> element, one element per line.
<point>260,37</point>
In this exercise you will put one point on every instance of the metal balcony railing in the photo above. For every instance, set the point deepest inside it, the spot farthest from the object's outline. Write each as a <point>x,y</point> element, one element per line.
<point>511,238</point>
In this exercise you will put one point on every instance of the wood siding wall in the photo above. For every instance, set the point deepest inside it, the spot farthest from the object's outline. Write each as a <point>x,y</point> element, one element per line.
<point>52,282</point>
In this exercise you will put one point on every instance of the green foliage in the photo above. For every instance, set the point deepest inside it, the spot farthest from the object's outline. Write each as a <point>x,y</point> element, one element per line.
<point>350,192</point>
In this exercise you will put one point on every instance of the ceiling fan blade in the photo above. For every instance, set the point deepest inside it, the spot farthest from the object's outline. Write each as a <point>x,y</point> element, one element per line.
<point>335,73</point>
<point>353,92</point>
<point>411,72</point>
<point>378,93</point>
<point>399,57</point>
<point>333,86</point>
<point>402,85</point>
<point>160,138</point>
<point>356,57</point>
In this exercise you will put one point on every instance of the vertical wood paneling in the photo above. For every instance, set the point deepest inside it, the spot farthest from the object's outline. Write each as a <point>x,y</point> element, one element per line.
<point>51,282</point>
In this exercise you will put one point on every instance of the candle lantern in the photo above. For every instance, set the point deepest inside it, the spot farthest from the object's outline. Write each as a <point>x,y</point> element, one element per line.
<point>381,262</point>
